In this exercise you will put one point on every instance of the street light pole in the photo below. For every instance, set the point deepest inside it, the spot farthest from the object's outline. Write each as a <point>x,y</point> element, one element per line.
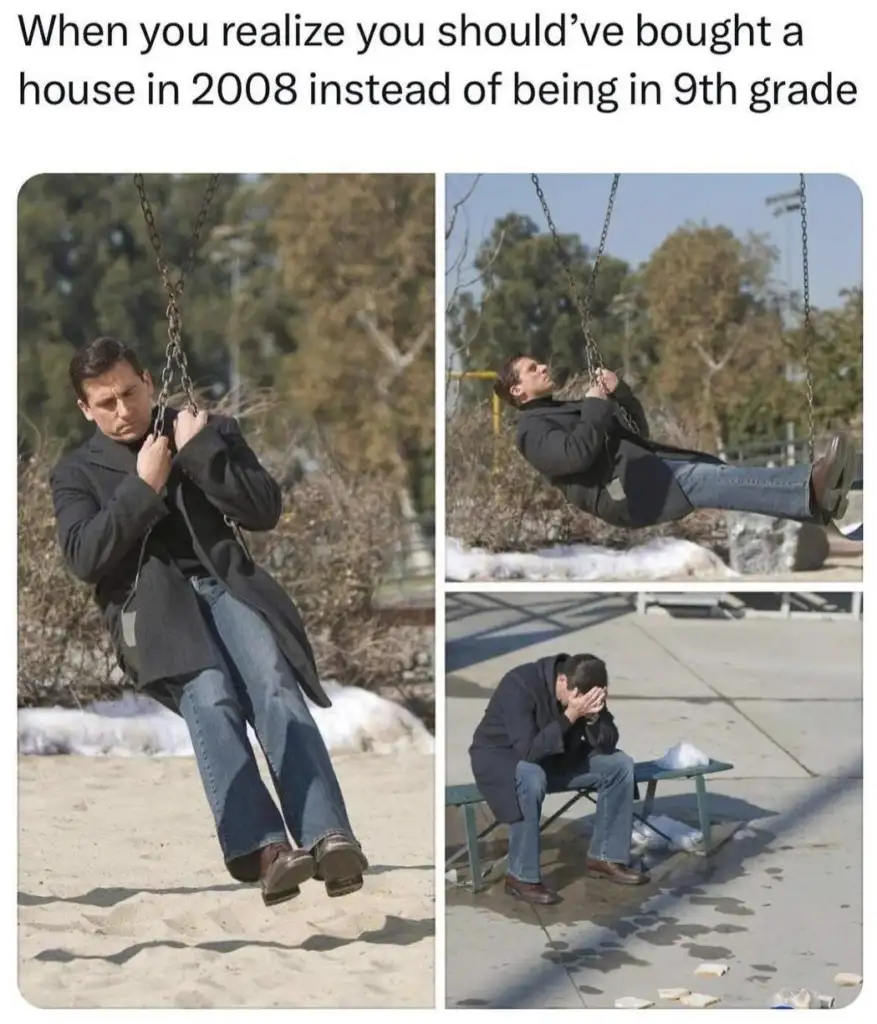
<point>785,203</point>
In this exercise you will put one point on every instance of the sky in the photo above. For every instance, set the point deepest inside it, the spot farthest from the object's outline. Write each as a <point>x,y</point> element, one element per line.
<point>649,207</point>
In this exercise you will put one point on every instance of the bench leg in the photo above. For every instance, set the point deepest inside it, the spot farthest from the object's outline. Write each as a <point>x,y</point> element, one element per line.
<point>703,813</point>
<point>472,846</point>
<point>650,798</point>
<point>574,800</point>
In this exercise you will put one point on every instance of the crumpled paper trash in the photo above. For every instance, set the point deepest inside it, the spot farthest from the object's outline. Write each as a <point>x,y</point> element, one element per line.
<point>683,755</point>
<point>632,1003</point>
<point>699,1000</point>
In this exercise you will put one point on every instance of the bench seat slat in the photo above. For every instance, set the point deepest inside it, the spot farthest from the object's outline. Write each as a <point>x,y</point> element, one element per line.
<point>644,771</point>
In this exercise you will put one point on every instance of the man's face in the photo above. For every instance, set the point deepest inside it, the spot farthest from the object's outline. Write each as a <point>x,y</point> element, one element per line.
<point>119,402</point>
<point>534,380</point>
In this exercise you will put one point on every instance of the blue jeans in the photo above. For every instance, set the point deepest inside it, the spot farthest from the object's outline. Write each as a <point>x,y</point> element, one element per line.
<point>782,492</point>
<point>253,683</point>
<point>610,774</point>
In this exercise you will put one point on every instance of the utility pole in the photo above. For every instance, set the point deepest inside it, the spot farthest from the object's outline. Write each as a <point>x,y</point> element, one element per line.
<point>783,204</point>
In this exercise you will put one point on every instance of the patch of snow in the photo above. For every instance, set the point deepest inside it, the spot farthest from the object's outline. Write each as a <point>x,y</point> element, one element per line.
<point>137,726</point>
<point>657,559</point>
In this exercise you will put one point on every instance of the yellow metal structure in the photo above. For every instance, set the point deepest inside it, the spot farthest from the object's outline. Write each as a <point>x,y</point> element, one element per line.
<point>495,401</point>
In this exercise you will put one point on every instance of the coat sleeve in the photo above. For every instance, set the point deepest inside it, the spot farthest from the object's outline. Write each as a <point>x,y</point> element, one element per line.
<point>602,735</point>
<point>95,540</point>
<point>519,716</point>
<point>221,463</point>
<point>554,451</point>
<point>628,401</point>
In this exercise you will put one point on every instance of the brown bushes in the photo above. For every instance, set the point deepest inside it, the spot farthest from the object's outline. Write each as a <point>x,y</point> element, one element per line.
<point>495,500</point>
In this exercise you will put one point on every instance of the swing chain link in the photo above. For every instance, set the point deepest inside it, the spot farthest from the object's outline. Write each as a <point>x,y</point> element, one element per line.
<point>808,326</point>
<point>174,350</point>
<point>583,305</point>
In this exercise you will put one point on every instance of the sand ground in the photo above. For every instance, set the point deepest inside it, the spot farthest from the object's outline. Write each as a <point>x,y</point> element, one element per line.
<point>124,900</point>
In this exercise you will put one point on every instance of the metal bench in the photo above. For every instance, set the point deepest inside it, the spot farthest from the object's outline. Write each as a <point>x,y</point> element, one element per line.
<point>468,796</point>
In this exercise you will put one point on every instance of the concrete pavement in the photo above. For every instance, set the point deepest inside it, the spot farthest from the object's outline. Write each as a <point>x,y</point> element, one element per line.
<point>781,903</point>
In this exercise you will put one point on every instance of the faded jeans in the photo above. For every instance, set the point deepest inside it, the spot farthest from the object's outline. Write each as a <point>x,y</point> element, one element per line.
<point>255,684</point>
<point>782,492</point>
<point>610,774</point>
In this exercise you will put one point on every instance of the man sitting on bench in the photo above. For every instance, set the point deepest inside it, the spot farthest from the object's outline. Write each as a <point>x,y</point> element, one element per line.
<point>546,730</point>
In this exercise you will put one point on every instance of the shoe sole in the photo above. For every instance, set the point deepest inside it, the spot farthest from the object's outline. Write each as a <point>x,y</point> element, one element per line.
<point>847,479</point>
<point>341,871</point>
<point>836,497</point>
<point>833,494</point>
<point>535,903</point>
<point>602,877</point>
<point>286,885</point>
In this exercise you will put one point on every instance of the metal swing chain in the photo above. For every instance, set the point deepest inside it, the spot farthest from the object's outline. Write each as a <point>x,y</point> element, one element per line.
<point>808,326</point>
<point>592,351</point>
<point>174,349</point>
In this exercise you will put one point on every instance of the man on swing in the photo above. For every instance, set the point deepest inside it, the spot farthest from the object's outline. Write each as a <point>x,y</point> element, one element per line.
<point>217,640</point>
<point>588,450</point>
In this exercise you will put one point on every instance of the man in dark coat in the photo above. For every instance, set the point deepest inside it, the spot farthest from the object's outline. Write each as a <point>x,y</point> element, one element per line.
<point>588,450</point>
<point>547,729</point>
<point>152,523</point>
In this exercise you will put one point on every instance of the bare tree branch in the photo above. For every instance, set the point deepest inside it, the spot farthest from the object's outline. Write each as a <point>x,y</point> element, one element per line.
<point>459,205</point>
<point>399,361</point>
<point>713,366</point>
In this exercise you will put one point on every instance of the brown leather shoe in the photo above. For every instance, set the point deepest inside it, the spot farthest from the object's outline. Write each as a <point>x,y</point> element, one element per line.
<point>621,874</point>
<point>340,863</point>
<point>531,892</point>
<point>847,479</point>
<point>831,478</point>
<point>281,872</point>
<point>278,868</point>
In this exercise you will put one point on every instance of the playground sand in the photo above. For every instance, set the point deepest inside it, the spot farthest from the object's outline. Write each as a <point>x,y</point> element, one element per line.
<point>124,900</point>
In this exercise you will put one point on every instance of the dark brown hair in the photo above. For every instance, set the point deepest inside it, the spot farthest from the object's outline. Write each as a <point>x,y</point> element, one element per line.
<point>96,358</point>
<point>507,377</point>
<point>583,672</point>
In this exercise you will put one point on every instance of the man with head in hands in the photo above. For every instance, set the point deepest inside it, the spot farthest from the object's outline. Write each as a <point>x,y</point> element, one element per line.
<point>547,729</point>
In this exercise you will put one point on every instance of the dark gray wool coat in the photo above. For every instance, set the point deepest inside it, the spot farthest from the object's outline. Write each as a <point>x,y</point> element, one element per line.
<point>103,511</point>
<point>602,467</point>
<point>524,722</point>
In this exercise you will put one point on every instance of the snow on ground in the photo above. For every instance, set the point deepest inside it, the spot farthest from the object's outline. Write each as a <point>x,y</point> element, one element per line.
<point>136,726</point>
<point>657,559</point>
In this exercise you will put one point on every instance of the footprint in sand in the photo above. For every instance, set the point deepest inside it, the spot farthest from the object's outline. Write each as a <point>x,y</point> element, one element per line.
<point>339,925</point>
<point>135,918</point>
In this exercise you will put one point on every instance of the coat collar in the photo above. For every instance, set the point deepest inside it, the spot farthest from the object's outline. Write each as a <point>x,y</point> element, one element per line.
<point>548,405</point>
<point>103,451</point>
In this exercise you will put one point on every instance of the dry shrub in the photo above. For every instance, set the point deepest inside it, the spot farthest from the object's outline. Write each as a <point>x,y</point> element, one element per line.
<point>495,500</point>
<point>64,656</point>
<point>329,551</point>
